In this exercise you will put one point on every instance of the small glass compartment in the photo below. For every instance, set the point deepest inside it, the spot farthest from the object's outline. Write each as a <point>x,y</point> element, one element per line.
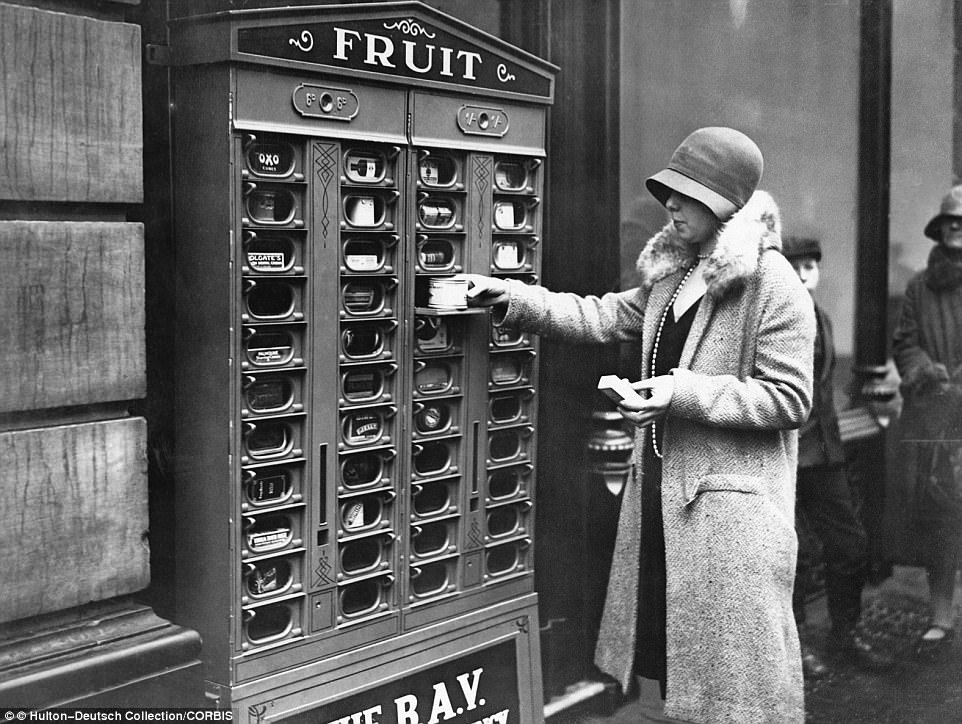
<point>508,369</point>
<point>431,579</point>
<point>269,394</point>
<point>367,210</point>
<point>507,520</point>
<point>366,427</point>
<point>272,206</point>
<point>364,555</point>
<point>362,470</point>
<point>437,254</point>
<point>267,253</point>
<point>269,439</point>
<point>269,577</point>
<point>434,418</point>
<point>433,498</point>
<point>365,297</point>
<point>505,408</point>
<point>270,300</point>
<point>363,341</point>
<point>433,539</point>
<point>365,166</point>
<point>509,254</point>
<point>272,622</point>
<point>513,175</point>
<point>437,212</point>
<point>435,377</point>
<point>267,487</point>
<point>365,256</point>
<point>269,348</point>
<point>366,384</point>
<point>270,158</point>
<point>363,597</point>
<point>508,445</point>
<point>433,335</point>
<point>435,458</point>
<point>504,559</point>
<point>363,513</point>
<point>504,483</point>
<point>511,215</point>
<point>437,170</point>
<point>507,336</point>
<point>269,533</point>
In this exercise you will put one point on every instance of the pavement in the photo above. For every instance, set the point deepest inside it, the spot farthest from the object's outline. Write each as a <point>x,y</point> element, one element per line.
<point>912,691</point>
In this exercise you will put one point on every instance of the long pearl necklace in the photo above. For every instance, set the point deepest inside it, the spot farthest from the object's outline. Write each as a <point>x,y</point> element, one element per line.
<point>654,350</point>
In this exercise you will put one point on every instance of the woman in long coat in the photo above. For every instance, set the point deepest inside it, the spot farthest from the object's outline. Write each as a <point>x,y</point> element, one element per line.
<point>928,353</point>
<point>724,447</point>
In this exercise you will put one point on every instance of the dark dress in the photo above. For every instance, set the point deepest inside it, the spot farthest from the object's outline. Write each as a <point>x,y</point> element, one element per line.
<point>650,658</point>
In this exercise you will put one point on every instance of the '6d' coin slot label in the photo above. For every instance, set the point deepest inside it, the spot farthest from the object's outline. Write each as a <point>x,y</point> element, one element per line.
<point>314,101</point>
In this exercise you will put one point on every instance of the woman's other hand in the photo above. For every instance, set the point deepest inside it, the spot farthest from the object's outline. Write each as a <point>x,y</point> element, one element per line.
<point>486,291</point>
<point>656,393</point>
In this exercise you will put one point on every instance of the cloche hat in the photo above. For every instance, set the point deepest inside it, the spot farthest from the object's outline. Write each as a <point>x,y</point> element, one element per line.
<point>795,247</point>
<point>951,206</point>
<point>720,167</point>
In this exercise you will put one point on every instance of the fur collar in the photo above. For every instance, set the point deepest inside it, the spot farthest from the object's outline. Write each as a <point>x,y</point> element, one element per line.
<point>741,241</point>
<point>944,270</point>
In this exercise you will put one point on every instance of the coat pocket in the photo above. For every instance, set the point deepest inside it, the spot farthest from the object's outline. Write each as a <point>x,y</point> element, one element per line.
<point>727,483</point>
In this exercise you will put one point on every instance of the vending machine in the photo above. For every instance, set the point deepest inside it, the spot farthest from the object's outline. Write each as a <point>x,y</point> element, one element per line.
<point>355,447</point>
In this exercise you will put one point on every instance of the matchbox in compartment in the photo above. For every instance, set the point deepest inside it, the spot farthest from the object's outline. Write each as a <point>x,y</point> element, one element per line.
<point>276,253</point>
<point>272,532</point>
<point>508,520</point>
<point>365,554</point>
<point>434,538</point>
<point>367,341</point>
<point>272,393</point>
<point>272,156</point>
<point>436,417</point>
<point>507,559</point>
<point>509,369</point>
<point>270,347</point>
<point>437,377</point>
<point>369,254</point>
<point>435,458</point>
<point>365,513</point>
<point>265,487</point>
<point>440,170</point>
<point>366,470</point>
<point>439,254</point>
<point>437,335</point>
<point>366,426</point>
<point>510,407</point>
<point>508,482</point>
<point>369,165</point>
<point>270,577</point>
<point>272,622</point>
<point>269,204</point>
<point>360,598</point>
<point>369,209</point>
<point>514,254</point>
<point>368,297</point>
<point>433,498</point>
<point>272,439</point>
<point>367,383</point>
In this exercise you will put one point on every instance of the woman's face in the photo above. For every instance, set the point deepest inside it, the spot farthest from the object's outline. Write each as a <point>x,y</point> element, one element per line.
<point>694,222</point>
<point>951,227</point>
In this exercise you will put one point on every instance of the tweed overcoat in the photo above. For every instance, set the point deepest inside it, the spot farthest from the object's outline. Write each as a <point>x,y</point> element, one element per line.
<point>742,388</point>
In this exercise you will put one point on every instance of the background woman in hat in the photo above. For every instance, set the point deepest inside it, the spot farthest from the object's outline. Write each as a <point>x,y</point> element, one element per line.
<point>700,592</point>
<point>928,354</point>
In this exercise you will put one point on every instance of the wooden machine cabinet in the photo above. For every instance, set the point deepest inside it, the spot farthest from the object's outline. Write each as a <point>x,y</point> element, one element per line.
<point>356,449</point>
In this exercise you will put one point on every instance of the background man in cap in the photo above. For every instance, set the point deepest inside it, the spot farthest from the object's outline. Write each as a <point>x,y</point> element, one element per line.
<point>823,497</point>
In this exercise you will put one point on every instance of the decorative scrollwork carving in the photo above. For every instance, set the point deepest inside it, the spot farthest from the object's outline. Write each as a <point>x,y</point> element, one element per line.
<point>411,27</point>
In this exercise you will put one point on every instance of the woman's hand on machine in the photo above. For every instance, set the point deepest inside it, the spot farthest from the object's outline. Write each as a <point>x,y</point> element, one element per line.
<point>656,394</point>
<point>486,291</point>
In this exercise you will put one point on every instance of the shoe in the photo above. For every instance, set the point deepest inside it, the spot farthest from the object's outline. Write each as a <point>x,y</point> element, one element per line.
<point>812,665</point>
<point>852,649</point>
<point>935,641</point>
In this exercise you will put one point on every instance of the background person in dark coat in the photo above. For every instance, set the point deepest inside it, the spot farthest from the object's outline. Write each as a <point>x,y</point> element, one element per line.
<point>928,354</point>
<point>823,497</point>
